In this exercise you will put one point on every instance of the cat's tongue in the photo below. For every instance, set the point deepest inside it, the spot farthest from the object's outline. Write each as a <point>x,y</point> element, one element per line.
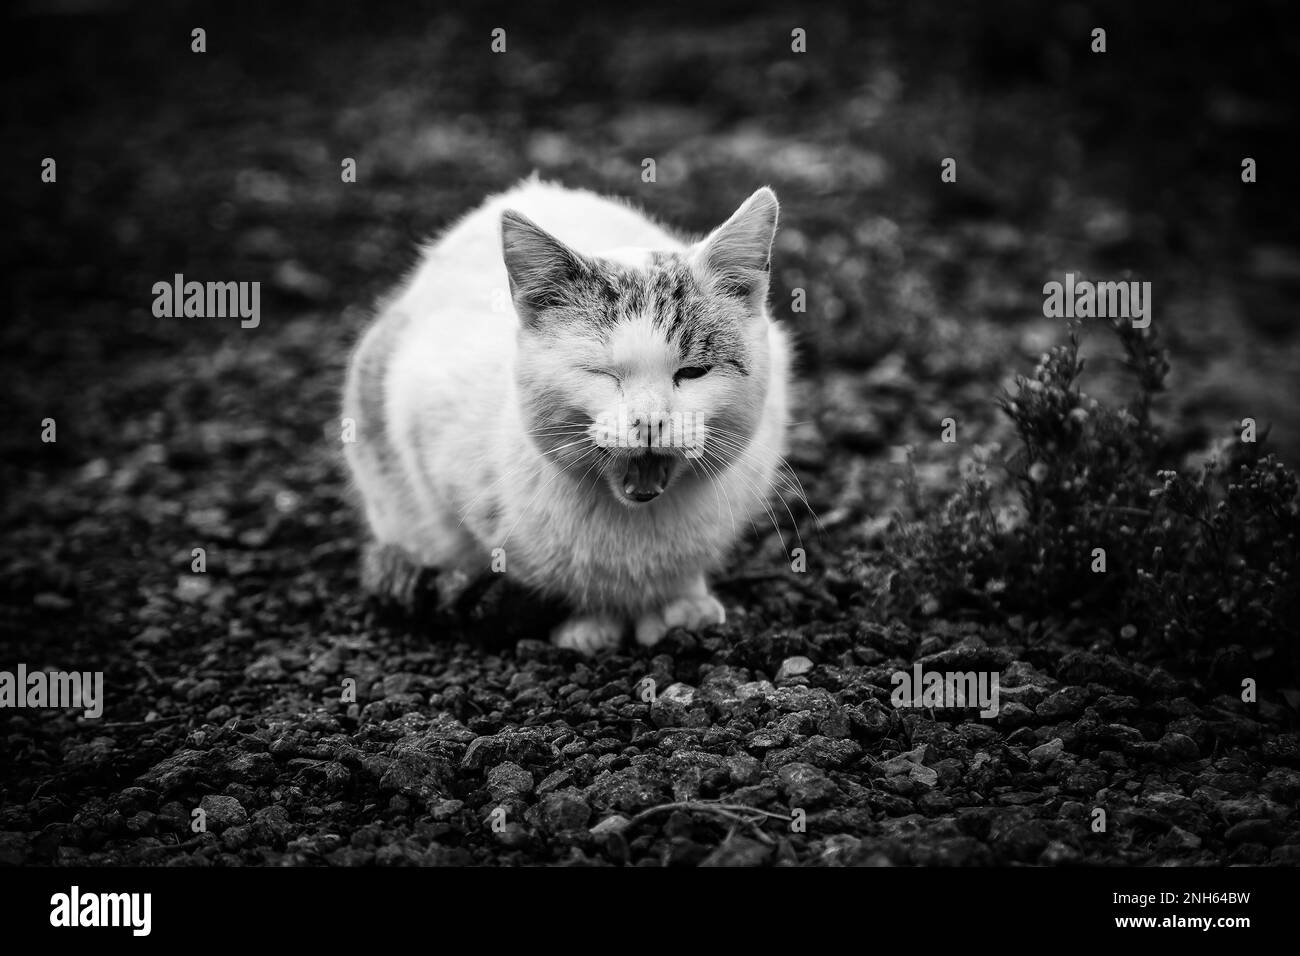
<point>647,476</point>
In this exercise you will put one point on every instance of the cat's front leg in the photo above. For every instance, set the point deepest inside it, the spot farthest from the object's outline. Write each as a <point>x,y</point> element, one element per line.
<point>397,578</point>
<point>694,609</point>
<point>588,633</point>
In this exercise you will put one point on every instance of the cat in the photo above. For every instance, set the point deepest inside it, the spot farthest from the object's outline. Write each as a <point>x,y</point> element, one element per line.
<point>566,390</point>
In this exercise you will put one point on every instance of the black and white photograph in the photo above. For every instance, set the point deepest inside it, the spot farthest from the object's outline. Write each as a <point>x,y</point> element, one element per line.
<point>477,436</point>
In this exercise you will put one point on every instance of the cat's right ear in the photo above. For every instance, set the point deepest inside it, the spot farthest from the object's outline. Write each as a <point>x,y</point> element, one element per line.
<point>540,268</point>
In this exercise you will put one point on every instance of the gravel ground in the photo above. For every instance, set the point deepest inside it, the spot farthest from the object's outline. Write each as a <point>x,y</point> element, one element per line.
<point>470,740</point>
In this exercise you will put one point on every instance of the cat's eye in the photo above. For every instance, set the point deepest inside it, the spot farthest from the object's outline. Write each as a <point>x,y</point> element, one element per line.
<point>690,371</point>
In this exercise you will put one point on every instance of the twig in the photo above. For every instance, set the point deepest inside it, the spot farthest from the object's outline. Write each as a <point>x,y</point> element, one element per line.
<point>117,725</point>
<point>732,811</point>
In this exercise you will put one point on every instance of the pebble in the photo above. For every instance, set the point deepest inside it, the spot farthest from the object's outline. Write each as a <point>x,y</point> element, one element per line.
<point>1046,753</point>
<point>806,786</point>
<point>222,812</point>
<point>507,780</point>
<point>793,667</point>
<point>738,851</point>
<point>1262,830</point>
<point>563,810</point>
<point>265,669</point>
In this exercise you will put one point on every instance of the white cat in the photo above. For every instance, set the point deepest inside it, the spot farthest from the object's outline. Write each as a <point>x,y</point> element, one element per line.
<point>612,433</point>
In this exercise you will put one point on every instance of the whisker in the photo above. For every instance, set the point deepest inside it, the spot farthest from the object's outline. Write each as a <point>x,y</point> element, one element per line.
<point>718,487</point>
<point>557,472</point>
<point>785,471</point>
<point>503,476</point>
<point>761,499</point>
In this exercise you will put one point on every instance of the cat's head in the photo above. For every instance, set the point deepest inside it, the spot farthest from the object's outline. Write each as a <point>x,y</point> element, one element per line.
<point>643,370</point>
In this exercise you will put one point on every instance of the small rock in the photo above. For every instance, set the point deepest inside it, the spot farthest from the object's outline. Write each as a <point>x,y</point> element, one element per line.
<point>1247,808</point>
<point>1023,737</point>
<point>142,822</point>
<point>838,723</point>
<point>204,688</point>
<point>563,810</point>
<point>554,781</point>
<point>1179,839</point>
<point>1284,748</point>
<point>806,786</point>
<point>177,771</point>
<point>1179,748</point>
<point>738,851</point>
<point>1046,753</point>
<point>444,809</point>
<point>1084,779</point>
<point>1247,854</point>
<point>512,835</point>
<point>271,823</point>
<point>1066,702</point>
<point>507,780</point>
<point>151,636</point>
<point>755,689</point>
<point>1058,854</point>
<point>825,752</point>
<point>251,769</point>
<point>193,587</point>
<point>1014,714</point>
<point>1253,831</point>
<point>1287,855</point>
<point>670,708</point>
<point>793,667</point>
<point>743,769</point>
<point>50,601</point>
<point>222,812</point>
<point>266,668</point>
<point>234,838</point>
<point>903,763</point>
<point>971,653</point>
<point>925,776</point>
<point>478,752</point>
<point>290,276</point>
<point>766,738</point>
<point>631,788</point>
<point>1022,841</point>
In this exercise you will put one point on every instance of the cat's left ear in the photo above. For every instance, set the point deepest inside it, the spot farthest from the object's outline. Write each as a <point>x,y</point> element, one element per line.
<point>736,257</point>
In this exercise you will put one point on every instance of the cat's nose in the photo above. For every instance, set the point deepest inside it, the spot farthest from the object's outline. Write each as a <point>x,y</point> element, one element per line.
<point>653,430</point>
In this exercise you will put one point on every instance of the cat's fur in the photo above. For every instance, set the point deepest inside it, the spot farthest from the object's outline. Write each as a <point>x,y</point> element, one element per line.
<point>474,423</point>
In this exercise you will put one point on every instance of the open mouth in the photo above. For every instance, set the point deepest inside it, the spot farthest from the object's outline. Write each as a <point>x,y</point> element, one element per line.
<point>647,476</point>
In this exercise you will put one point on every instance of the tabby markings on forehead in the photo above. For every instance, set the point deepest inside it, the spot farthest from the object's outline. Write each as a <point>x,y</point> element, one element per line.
<point>667,291</point>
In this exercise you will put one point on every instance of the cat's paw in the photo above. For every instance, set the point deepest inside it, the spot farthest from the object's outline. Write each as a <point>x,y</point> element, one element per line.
<point>389,574</point>
<point>692,613</point>
<point>588,633</point>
